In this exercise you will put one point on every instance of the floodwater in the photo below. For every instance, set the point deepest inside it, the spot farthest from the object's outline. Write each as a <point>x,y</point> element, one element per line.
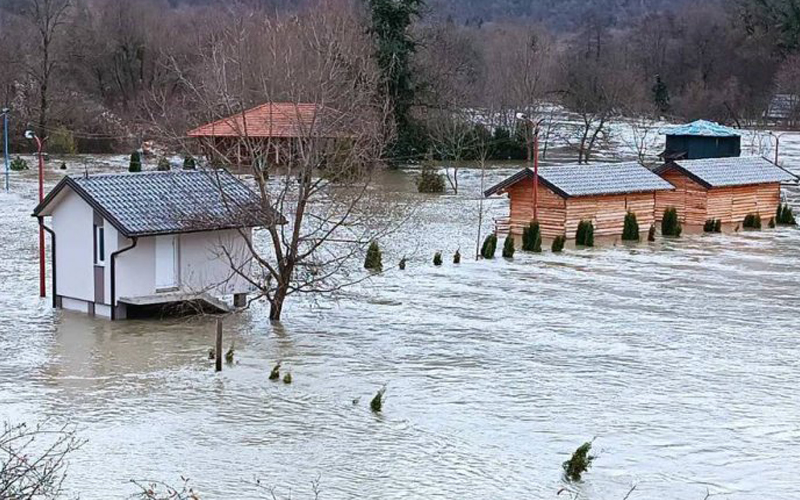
<point>681,358</point>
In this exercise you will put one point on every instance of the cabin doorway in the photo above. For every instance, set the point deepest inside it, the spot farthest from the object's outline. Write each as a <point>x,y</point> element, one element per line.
<point>167,276</point>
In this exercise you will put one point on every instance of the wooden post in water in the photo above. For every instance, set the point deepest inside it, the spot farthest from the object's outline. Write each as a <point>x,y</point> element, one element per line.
<point>218,350</point>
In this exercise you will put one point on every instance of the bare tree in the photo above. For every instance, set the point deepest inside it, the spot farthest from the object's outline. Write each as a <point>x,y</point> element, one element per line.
<point>33,460</point>
<point>319,67</point>
<point>452,135</point>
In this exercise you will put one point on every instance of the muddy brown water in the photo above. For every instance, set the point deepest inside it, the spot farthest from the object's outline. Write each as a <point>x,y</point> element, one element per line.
<point>680,357</point>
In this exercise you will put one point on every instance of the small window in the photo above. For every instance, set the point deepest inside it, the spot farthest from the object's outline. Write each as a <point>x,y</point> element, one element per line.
<point>99,245</point>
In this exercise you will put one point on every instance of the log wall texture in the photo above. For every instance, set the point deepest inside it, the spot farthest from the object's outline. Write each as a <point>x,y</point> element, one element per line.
<point>552,209</point>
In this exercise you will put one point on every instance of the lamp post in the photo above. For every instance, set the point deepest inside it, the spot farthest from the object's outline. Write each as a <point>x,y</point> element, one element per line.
<point>777,144</point>
<point>5,112</point>
<point>31,135</point>
<point>532,138</point>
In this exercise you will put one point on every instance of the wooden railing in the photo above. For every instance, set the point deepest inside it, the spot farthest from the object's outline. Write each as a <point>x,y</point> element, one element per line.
<point>502,225</point>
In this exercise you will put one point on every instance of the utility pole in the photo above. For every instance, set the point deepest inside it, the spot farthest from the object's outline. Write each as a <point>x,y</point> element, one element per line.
<point>5,112</point>
<point>532,138</point>
<point>30,134</point>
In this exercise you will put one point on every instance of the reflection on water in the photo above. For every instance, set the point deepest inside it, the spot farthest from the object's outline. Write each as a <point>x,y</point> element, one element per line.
<point>680,356</point>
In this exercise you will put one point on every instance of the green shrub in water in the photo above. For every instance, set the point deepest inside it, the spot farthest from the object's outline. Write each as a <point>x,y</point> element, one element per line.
<point>430,181</point>
<point>508,247</point>
<point>275,374</point>
<point>437,259</point>
<point>784,215</point>
<point>670,225</point>
<point>18,164</point>
<point>651,233</point>
<point>558,244</point>
<point>135,164</point>
<point>708,226</point>
<point>457,257</point>
<point>584,236</point>
<point>163,165</point>
<point>630,230</point>
<point>771,223</point>
<point>579,462</point>
<point>374,259</point>
<point>489,247</point>
<point>189,163</point>
<point>402,264</point>
<point>287,379</point>
<point>752,221</point>
<point>532,238</point>
<point>376,405</point>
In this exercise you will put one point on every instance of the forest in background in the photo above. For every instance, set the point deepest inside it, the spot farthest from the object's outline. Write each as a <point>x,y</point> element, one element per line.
<point>104,71</point>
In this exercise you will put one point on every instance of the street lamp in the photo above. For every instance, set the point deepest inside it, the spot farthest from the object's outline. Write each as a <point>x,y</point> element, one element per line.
<point>532,140</point>
<point>31,135</point>
<point>777,144</point>
<point>5,112</point>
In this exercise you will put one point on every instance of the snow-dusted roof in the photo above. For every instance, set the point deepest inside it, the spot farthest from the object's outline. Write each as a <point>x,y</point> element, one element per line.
<point>701,128</point>
<point>735,171</point>
<point>590,180</point>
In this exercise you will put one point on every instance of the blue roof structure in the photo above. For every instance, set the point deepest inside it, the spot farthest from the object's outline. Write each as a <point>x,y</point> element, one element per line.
<point>701,128</point>
<point>737,171</point>
<point>590,180</point>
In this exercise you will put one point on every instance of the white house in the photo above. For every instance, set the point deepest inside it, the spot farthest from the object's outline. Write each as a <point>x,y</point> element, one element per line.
<point>126,241</point>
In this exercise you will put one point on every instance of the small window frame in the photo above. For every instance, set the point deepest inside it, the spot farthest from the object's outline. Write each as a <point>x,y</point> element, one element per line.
<point>99,245</point>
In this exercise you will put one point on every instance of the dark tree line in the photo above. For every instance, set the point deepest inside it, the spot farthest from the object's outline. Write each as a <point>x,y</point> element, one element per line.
<point>104,70</point>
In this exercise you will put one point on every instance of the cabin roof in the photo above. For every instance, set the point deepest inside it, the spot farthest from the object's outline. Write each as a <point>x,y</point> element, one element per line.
<point>701,128</point>
<point>272,120</point>
<point>153,203</point>
<point>590,180</point>
<point>733,171</point>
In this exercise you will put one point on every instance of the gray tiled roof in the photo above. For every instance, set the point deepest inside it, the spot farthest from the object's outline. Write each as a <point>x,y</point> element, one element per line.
<point>591,180</point>
<point>735,171</point>
<point>149,203</point>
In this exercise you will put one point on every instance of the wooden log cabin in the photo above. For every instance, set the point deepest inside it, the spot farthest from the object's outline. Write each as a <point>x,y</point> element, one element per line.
<point>727,189</point>
<point>602,194</point>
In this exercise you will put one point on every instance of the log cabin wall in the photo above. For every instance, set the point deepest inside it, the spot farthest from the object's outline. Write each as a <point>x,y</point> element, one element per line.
<point>689,198</point>
<point>607,212</point>
<point>732,204</point>
<point>552,209</point>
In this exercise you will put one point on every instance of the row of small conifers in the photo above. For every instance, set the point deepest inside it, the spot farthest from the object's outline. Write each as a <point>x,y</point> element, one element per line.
<point>584,236</point>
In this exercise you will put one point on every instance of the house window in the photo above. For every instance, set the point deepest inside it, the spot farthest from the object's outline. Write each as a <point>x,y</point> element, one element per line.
<point>99,245</point>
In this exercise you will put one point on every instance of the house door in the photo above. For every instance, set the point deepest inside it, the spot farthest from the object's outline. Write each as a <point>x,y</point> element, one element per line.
<point>166,262</point>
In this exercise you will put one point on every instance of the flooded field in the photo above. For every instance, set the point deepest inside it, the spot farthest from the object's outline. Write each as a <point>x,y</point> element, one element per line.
<point>680,357</point>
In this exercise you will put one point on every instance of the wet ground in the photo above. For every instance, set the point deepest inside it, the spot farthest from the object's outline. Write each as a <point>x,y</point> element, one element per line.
<point>679,357</point>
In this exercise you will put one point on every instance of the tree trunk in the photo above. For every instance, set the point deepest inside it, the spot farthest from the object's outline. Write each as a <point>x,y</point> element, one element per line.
<point>276,303</point>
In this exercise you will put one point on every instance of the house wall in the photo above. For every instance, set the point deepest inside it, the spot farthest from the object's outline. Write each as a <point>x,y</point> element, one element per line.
<point>607,212</point>
<point>73,224</point>
<point>552,209</point>
<point>689,198</point>
<point>206,262</point>
<point>135,268</point>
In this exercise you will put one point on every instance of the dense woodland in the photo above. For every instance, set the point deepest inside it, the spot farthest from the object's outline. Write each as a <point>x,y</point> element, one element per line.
<point>113,73</point>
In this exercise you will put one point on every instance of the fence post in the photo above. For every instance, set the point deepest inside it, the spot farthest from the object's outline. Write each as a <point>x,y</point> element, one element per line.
<point>218,350</point>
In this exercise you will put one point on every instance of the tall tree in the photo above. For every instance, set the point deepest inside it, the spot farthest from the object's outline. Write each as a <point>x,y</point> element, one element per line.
<point>391,25</point>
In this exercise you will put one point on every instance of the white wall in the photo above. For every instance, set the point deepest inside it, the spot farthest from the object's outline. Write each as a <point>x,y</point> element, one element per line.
<point>205,262</point>
<point>73,224</point>
<point>136,269</point>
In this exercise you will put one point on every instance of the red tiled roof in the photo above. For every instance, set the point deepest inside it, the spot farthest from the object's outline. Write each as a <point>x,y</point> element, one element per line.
<point>273,119</point>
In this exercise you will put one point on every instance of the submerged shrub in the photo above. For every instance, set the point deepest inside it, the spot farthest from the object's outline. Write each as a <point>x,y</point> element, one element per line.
<point>558,244</point>
<point>402,264</point>
<point>376,405</point>
<point>579,462</point>
<point>508,247</point>
<point>163,165</point>
<point>670,225</point>
<point>532,238</point>
<point>771,223</point>
<point>135,164</point>
<point>584,236</point>
<point>457,257</point>
<point>630,231</point>
<point>430,181</point>
<point>437,259</point>
<point>752,221</point>
<point>189,162</point>
<point>489,246</point>
<point>18,164</point>
<point>708,226</point>
<point>374,259</point>
<point>275,374</point>
<point>229,354</point>
<point>287,379</point>
<point>784,215</point>
<point>651,234</point>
